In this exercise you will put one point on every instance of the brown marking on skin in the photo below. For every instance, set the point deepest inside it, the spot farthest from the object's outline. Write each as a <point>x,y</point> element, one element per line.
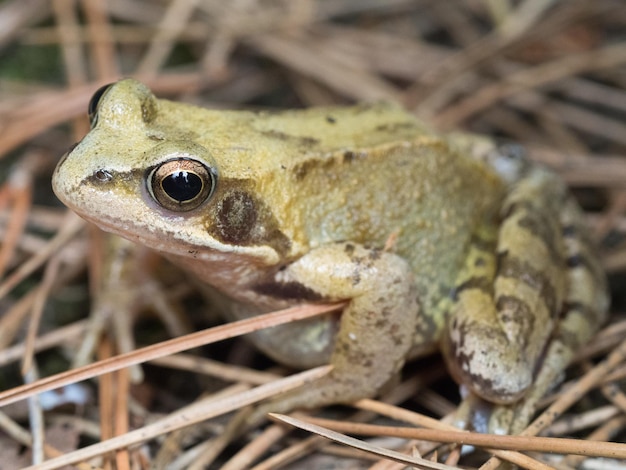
<point>516,206</point>
<point>480,262</point>
<point>512,267</point>
<point>351,354</point>
<point>581,251</point>
<point>576,261</point>
<point>538,224</point>
<point>594,268</point>
<point>462,361</point>
<point>368,363</point>
<point>395,126</point>
<point>542,228</point>
<point>362,262</point>
<point>486,386</point>
<point>396,334</point>
<point>587,311</point>
<point>301,170</point>
<point>481,283</point>
<point>288,290</point>
<point>236,217</point>
<point>580,261</point>
<point>304,141</point>
<point>570,339</point>
<point>461,358</point>
<point>513,309</point>
<point>569,231</point>
<point>583,236</point>
<point>149,109</point>
<point>331,120</point>
<point>348,156</point>
<point>381,323</point>
<point>363,359</point>
<point>481,243</point>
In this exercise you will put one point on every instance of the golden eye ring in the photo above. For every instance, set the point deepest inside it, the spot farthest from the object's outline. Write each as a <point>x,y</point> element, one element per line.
<point>181,184</point>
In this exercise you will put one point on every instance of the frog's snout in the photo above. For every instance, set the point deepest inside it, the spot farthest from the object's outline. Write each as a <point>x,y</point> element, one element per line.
<point>60,178</point>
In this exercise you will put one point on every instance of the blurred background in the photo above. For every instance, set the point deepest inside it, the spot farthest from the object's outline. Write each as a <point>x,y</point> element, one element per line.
<point>548,74</point>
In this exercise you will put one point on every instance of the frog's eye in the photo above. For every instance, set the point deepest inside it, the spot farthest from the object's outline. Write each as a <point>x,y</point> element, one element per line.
<point>92,109</point>
<point>181,184</point>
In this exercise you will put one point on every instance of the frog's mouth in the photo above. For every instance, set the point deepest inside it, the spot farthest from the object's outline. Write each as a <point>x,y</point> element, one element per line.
<point>113,200</point>
<point>182,243</point>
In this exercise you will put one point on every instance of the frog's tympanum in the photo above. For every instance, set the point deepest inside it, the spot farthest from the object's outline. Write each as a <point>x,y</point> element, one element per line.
<point>433,240</point>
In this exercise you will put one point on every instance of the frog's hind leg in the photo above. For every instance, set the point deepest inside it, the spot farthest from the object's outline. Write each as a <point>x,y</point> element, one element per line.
<point>520,310</point>
<point>583,311</point>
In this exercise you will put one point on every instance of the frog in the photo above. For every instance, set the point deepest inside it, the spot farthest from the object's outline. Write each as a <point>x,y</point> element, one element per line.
<point>453,242</point>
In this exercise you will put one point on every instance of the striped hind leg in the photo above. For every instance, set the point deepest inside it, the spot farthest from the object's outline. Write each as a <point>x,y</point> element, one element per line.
<point>520,314</point>
<point>583,311</point>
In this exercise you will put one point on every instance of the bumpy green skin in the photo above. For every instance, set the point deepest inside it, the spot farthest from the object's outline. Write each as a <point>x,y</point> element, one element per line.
<point>423,234</point>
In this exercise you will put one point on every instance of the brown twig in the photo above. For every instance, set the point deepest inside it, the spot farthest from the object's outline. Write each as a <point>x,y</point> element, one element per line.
<point>164,348</point>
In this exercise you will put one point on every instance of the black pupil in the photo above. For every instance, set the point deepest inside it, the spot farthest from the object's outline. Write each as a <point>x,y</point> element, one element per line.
<point>182,186</point>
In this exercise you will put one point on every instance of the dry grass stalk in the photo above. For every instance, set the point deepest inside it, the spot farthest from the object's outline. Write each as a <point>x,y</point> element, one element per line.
<point>549,74</point>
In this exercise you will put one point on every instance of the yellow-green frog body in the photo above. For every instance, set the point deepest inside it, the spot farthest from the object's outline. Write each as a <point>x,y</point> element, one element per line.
<point>432,239</point>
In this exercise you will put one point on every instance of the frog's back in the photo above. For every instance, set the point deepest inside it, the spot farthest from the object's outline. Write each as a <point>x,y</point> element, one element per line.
<point>323,130</point>
<point>374,175</point>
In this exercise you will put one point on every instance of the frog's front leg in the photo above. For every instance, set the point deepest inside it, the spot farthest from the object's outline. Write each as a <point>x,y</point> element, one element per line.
<point>528,301</point>
<point>377,327</point>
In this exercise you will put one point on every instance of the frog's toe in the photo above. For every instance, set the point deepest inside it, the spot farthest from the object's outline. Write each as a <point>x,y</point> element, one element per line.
<point>470,348</point>
<point>479,415</point>
<point>330,389</point>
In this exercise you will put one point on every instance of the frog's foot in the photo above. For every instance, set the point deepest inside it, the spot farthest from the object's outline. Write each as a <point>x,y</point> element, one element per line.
<point>331,389</point>
<point>479,415</point>
<point>473,412</point>
<point>376,330</point>
<point>514,418</point>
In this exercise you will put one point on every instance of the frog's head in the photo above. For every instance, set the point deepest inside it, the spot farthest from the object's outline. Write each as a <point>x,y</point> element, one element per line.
<point>140,174</point>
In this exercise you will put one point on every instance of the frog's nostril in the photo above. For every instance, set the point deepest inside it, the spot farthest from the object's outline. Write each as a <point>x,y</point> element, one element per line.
<point>102,175</point>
